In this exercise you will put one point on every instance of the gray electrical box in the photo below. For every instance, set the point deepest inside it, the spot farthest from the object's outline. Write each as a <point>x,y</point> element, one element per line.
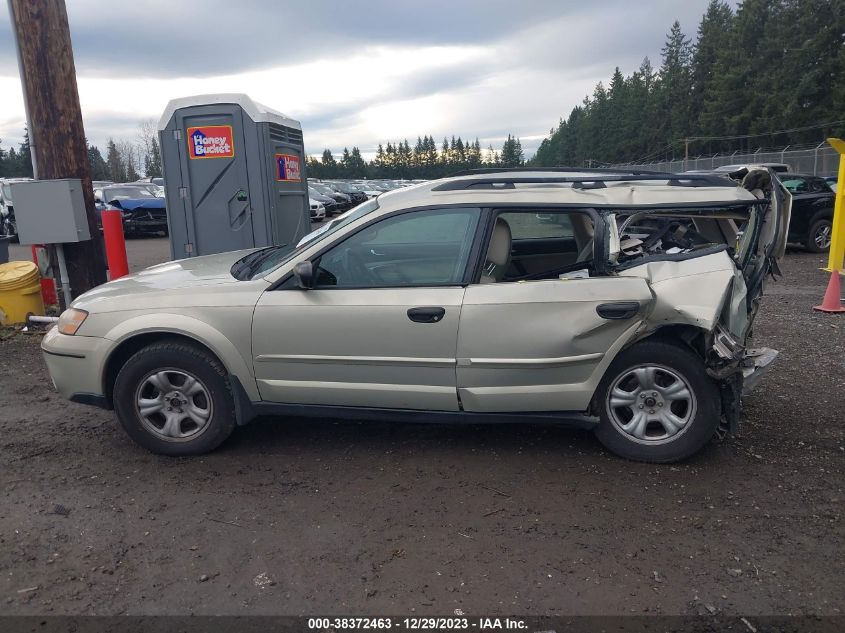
<point>234,173</point>
<point>50,211</point>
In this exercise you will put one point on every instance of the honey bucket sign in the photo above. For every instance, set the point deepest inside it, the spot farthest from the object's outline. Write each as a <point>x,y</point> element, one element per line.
<point>288,168</point>
<point>211,141</point>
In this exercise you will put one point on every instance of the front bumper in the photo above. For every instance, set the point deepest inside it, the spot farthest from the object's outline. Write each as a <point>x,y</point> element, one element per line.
<point>144,226</point>
<point>76,365</point>
<point>756,364</point>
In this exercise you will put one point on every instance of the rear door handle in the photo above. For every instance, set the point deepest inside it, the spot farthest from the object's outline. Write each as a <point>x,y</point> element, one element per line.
<point>618,310</point>
<point>426,315</point>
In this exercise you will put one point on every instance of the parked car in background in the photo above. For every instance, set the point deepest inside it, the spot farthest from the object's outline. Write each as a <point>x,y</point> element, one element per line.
<point>318,211</point>
<point>344,202</point>
<point>156,190</point>
<point>152,179</point>
<point>353,192</point>
<point>371,191</point>
<point>451,301</point>
<point>328,203</point>
<point>812,211</point>
<point>144,212</point>
<point>8,225</point>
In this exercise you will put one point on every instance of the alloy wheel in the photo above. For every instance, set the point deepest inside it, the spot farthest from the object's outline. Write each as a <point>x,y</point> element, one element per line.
<point>173,404</point>
<point>822,236</point>
<point>651,404</point>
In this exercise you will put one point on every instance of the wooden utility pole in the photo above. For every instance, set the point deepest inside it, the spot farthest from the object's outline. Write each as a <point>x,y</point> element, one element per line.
<point>54,118</point>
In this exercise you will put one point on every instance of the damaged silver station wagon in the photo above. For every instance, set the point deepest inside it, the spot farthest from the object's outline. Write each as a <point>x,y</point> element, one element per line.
<point>615,301</point>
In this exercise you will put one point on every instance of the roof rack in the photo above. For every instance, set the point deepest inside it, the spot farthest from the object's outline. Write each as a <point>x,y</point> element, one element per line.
<point>586,178</point>
<point>561,170</point>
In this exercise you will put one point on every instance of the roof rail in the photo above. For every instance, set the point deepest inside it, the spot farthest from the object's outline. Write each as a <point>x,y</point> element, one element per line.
<point>562,170</point>
<point>588,179</point>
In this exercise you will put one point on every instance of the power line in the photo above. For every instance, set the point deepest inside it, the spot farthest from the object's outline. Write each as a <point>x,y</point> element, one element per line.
<point>729,138</point>
<point>654,154</point>
<point>742,136</point>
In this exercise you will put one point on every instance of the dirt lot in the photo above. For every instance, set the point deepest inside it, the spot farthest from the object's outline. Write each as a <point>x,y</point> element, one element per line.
<point>304,517</point>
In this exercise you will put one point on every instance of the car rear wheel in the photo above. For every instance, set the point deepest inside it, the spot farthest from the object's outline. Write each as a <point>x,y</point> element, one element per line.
<point>819,236</point>
<point>174,398</point>
<point>656,403</point>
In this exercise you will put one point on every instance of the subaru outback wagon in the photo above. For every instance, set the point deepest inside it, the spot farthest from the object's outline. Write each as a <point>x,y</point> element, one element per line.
<point>617,301</point>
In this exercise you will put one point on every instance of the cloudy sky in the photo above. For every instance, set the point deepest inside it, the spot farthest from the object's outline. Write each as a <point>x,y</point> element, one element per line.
<point>353,72</point>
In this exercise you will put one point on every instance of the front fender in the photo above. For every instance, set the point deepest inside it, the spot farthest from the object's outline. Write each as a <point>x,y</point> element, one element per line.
<point>191,327</point>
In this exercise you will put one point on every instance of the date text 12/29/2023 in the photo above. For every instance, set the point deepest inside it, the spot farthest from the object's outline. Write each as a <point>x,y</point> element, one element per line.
<point>458,623</point>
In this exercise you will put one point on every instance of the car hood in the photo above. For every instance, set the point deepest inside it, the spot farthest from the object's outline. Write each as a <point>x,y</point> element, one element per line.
<point>130,204</point>
<point>182,275</point>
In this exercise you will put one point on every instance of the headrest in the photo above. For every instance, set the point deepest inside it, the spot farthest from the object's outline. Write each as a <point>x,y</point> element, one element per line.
<point>499,252</point>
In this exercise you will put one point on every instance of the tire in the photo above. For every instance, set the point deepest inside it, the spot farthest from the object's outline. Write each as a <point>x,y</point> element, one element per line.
<point>202,417</point>
<point>819,235</point>
<point>675,371</point>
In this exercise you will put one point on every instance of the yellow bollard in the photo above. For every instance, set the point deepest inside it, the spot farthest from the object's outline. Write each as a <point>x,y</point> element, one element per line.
<point>836,257</point>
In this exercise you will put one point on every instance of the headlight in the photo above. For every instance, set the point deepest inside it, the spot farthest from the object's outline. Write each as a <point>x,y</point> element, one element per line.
<point>71,320</point>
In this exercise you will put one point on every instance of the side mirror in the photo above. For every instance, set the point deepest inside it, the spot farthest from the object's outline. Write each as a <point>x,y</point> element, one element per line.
<point>304,274</point>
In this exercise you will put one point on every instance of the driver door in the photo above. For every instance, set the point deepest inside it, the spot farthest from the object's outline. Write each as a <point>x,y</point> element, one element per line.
<point>379,327</point>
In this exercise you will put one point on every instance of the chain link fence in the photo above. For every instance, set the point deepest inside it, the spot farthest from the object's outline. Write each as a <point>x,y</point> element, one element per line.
<point>818,160</point>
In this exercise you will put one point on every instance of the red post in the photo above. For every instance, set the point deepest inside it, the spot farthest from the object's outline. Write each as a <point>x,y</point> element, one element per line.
<point>48,284</point>
<point>115,243</point>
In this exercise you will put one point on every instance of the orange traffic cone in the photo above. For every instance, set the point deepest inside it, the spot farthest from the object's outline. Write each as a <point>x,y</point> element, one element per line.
<point>832,301</point>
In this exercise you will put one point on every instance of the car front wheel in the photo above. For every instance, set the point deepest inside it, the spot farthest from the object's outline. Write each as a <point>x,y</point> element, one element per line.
<point>656,403</point>
<point>174,398</point>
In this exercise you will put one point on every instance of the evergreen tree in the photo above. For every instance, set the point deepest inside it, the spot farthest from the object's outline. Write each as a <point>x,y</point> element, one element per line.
<point>675,82</point>
<point>356,165</point>
<point>329,164</point>
<point>116,168</point>
<point>346,163</point>
<point>98,166</point>
<point>13,166</point>
<point>512,155</point>
<point>714,37</point>
<point>152,161</point>
<point>25,157</point>
<point>314,168</point>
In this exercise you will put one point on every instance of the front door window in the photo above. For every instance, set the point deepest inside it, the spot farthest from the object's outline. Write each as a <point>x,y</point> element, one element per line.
<point>421,248</point>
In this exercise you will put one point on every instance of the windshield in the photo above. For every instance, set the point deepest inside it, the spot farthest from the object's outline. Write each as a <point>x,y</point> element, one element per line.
<point>274,257</point>
<point>123,193</point>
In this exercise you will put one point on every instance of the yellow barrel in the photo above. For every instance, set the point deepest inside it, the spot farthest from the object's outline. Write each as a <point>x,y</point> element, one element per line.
<point>20,292</point>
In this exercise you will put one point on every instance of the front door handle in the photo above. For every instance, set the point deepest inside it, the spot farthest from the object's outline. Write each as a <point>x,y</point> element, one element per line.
<point>426,315</point>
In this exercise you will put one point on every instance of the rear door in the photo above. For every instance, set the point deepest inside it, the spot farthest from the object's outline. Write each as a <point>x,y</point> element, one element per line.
<point>543,345</point>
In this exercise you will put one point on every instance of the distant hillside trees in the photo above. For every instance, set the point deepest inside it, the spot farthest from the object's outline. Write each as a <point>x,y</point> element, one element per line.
<point>422,160</point>
<point>771,65</point>
<point>125,160</point>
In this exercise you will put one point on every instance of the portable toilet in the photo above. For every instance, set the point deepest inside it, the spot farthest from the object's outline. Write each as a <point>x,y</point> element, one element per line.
<point>234,174</point>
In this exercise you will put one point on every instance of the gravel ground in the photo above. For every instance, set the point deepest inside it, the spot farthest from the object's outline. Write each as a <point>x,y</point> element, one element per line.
<point>304,517</point>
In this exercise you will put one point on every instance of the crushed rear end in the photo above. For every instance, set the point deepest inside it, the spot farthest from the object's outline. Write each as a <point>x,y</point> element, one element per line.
<point>706,265</point>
